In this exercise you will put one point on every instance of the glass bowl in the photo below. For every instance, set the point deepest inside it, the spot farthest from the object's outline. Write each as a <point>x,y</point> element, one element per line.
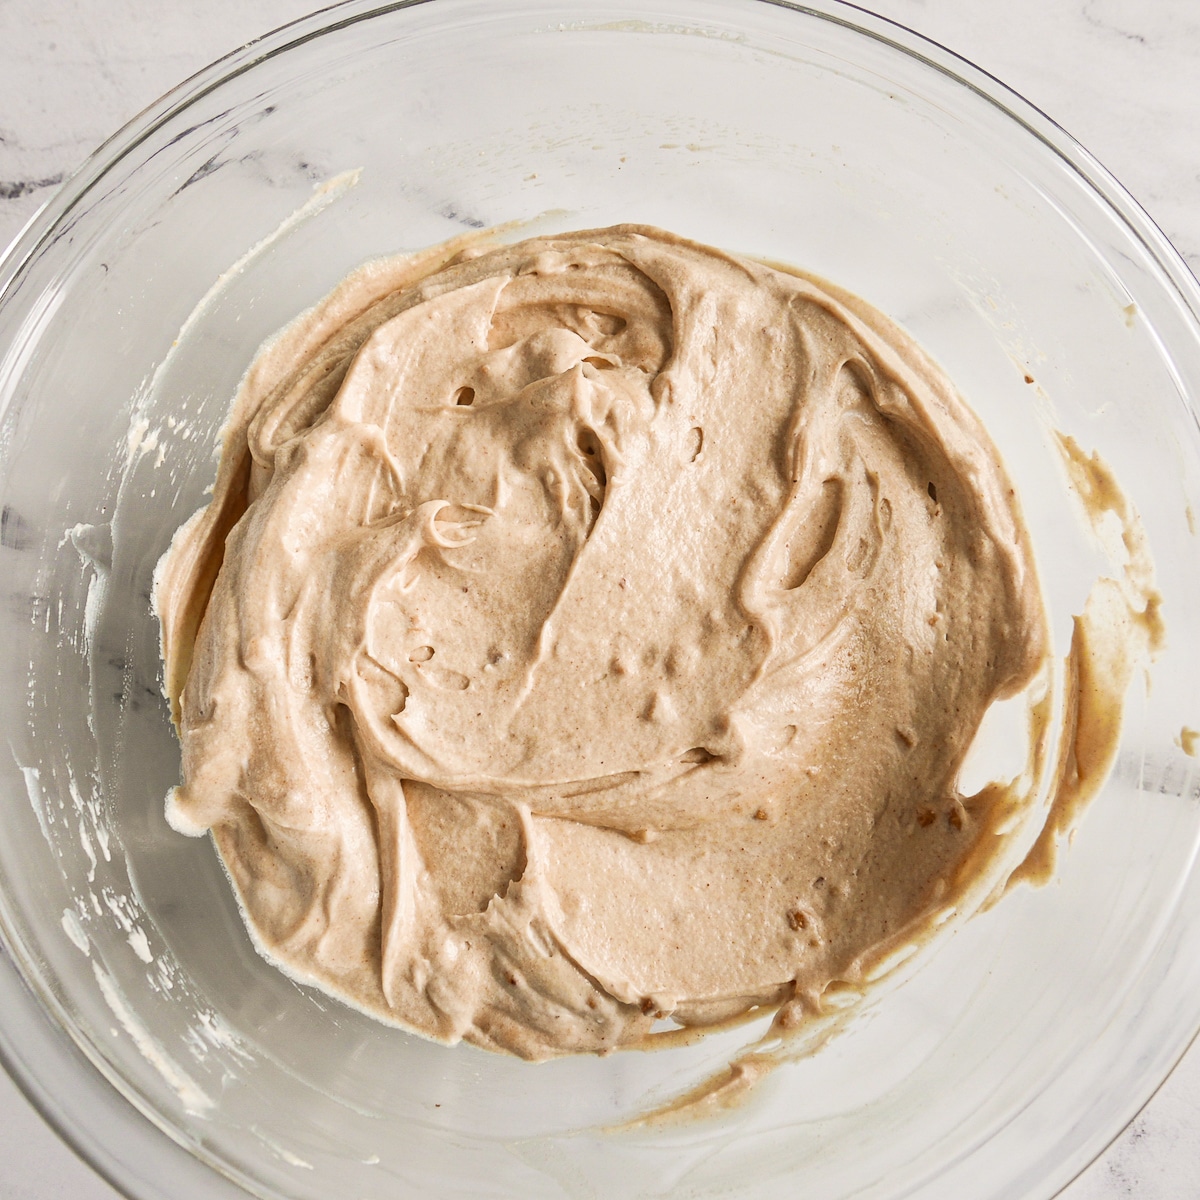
<point>136,1013</point>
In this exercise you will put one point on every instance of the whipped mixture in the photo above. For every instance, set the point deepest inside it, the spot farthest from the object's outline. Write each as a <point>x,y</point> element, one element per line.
<point>590,631</point>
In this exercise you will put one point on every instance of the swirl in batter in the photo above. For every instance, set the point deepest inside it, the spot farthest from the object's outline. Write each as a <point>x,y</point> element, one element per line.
<point>592,630</point>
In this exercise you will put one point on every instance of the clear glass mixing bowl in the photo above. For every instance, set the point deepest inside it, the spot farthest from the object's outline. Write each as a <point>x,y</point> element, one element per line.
<point>136,1013</point>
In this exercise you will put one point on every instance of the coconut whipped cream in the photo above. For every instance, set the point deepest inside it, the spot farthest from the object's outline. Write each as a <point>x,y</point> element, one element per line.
<point>590,631</point>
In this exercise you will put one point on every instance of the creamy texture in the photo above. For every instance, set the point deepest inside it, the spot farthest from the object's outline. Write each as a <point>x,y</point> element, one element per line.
<point>592,630</point>
<point>1121,627</point>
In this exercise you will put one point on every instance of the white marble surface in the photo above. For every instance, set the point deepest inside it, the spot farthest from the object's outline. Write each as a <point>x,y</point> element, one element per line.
<point>1120,75</point>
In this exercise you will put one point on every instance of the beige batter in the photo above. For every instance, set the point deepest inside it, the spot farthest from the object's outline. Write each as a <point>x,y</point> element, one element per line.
<point>592,630</point>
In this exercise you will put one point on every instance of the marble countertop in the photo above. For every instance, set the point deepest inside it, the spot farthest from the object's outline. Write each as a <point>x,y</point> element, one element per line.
<point>1119,75</point>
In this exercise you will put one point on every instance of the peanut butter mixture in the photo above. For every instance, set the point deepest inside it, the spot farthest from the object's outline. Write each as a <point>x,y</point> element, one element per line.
<point>590,631</point>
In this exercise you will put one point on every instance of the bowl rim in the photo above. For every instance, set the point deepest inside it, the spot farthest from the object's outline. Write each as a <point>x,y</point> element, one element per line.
<point>35,1023</point>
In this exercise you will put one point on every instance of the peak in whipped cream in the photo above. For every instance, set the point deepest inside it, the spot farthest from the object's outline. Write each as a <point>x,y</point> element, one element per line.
<point>590,632</point>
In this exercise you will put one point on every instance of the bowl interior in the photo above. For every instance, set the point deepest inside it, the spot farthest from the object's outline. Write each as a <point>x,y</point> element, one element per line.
<point>819,137</point>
